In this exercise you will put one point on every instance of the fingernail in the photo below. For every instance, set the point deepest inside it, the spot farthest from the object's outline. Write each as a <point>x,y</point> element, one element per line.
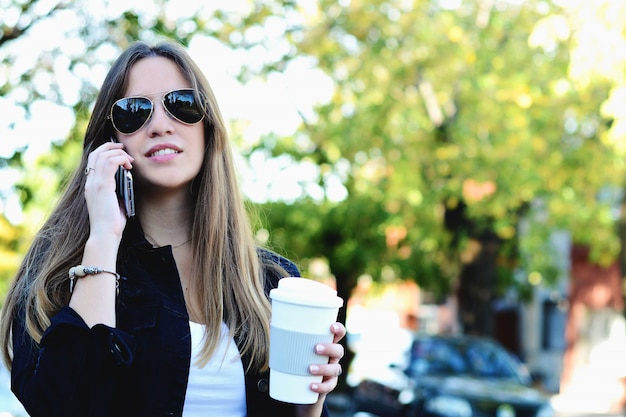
<point>319,348</point>
<point>314,368</point>
<point>314,386</point>
<point>335,327</point>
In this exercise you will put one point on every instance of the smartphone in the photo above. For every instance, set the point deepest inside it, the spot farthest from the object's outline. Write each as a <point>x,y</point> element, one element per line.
<point>125,189</point>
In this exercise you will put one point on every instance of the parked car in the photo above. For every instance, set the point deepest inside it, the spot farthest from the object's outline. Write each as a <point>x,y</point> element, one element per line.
<point>451,376</point>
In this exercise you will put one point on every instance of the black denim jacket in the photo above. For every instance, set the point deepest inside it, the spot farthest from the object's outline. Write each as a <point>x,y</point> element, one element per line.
<point>141,367</point>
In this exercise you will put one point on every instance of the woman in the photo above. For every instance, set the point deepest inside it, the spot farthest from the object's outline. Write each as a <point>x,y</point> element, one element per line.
<point>161,314</point>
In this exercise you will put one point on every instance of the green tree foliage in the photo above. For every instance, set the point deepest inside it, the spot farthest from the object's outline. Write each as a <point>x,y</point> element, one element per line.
<point>466,123</point>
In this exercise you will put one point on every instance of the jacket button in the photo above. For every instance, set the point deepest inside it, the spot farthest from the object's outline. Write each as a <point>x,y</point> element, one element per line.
<point>263,385</point>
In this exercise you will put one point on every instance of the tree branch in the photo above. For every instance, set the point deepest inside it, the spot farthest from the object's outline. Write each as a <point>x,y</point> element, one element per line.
<point>9,33</point>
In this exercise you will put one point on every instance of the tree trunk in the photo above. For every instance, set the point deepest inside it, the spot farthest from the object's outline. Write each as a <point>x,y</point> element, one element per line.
<point>477,279</point>
<point>476,291</point>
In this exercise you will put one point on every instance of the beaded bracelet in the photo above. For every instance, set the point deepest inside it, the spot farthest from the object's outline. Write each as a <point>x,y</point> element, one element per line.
<point>80,271</point>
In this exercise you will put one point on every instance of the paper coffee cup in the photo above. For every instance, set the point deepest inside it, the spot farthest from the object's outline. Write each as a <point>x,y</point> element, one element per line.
<point>302,312</point>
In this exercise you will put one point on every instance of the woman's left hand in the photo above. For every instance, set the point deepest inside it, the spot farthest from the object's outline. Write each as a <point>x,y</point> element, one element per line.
<point>330,372</point>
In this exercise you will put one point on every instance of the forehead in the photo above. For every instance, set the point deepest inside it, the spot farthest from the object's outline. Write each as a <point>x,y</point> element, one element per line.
<point>154,74</point>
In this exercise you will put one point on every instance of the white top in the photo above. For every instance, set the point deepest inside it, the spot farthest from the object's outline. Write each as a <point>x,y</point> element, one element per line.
<point>217,389</point>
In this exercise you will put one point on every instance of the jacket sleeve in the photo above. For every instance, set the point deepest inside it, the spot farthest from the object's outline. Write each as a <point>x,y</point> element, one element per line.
<point>72,371</point>
<point>275,267</point>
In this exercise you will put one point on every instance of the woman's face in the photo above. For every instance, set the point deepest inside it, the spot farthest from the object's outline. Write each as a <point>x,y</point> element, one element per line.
<point>168,153</point>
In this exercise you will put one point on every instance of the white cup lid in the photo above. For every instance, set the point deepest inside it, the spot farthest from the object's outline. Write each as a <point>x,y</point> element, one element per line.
<point>306,291</point>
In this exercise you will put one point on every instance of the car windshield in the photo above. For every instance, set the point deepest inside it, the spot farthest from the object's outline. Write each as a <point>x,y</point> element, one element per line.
<point>452,357</point>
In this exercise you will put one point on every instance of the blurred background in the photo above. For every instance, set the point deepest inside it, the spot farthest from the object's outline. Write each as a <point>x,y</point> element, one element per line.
<point>450,166</point>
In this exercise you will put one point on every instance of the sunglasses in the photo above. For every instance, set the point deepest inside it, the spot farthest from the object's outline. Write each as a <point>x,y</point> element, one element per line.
<point>129,114</point>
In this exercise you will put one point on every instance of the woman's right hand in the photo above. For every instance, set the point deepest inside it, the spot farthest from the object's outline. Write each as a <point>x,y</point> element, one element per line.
<point>106,215</point>
<point>94,296</point>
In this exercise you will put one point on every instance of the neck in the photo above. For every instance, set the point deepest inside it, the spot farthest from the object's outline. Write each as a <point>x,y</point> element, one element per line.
<point>166,221</point>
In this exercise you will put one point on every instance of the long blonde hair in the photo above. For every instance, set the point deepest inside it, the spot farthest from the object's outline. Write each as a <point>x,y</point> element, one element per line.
<point>225,256</point>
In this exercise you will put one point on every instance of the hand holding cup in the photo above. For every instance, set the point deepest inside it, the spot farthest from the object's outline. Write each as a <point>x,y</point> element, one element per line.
<point>301,341</point>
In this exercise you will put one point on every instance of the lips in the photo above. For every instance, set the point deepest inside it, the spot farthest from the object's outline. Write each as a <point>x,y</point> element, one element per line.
<point>163,152</point>
<point>164,149</point>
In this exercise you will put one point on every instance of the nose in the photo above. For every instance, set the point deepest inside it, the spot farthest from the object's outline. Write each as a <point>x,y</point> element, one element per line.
<point>161,123</point>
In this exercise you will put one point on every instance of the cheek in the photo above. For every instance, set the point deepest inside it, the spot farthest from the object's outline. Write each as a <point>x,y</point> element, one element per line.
<point>199,142</point>
<point>199,157</point>
<point>196,147</point>
<point>130,145</point>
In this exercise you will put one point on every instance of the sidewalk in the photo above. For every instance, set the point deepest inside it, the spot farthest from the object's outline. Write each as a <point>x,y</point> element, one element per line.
<point>591,401</point>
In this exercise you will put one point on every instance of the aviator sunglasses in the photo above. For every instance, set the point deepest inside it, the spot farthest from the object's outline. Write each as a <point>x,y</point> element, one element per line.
<point>129,114</point>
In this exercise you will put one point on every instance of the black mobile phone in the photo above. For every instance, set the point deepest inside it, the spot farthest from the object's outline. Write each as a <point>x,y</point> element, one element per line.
<point>125,191</point>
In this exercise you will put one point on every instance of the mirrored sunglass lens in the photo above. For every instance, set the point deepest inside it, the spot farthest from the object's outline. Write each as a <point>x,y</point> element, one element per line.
<point>182,105</point>
<point>129,114</point>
